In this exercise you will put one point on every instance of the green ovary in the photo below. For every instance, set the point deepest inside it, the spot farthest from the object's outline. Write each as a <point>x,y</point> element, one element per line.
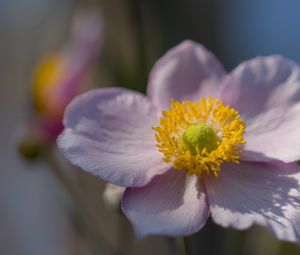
<point>200,136</point>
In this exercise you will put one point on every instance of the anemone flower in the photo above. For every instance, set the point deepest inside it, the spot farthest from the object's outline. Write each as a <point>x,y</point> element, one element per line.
<point>201,143</point>
<point>61,76</point>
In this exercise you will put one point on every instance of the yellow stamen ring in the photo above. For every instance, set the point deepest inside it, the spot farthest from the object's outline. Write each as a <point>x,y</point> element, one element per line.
<point>198,137</point>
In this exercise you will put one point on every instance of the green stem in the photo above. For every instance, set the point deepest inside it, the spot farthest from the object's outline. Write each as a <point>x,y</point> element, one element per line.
<point>186,247</point>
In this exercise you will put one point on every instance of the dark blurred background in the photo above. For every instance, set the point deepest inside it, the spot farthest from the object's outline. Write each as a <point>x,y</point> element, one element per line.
<point>35,218</point>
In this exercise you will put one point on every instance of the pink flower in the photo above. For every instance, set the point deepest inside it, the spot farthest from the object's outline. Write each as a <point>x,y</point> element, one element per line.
<point>63,75</point>
<point>181,165</point>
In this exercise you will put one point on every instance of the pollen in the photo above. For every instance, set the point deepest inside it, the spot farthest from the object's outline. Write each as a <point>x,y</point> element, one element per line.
<point>199,136</point>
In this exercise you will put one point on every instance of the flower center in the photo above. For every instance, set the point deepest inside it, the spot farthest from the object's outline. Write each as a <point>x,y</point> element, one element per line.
<point>199,137</point>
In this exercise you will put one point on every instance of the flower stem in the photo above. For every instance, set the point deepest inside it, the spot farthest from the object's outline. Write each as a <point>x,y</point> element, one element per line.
<point>186,248</point>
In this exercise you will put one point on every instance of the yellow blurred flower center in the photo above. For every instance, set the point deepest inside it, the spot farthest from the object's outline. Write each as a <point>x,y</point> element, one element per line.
<point>199,137</point>
<point>46,82</point>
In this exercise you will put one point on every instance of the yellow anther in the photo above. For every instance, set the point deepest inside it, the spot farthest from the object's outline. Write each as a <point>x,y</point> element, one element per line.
<point>199,137</point>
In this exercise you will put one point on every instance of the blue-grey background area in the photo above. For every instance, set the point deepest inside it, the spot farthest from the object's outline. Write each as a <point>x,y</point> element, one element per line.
<point>251,28</point>
<point>33,218</point>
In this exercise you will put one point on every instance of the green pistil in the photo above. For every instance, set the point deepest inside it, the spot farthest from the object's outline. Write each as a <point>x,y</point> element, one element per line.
<point>200,136</point>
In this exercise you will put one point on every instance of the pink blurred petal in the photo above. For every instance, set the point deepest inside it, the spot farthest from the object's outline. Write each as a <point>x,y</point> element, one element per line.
<point>49,128</point>
<point>266,91</point>
<point>257,193</point>
<point>171,204</point>
<point>186,72</point>
<point>80,53</point>
<point>108,133</point>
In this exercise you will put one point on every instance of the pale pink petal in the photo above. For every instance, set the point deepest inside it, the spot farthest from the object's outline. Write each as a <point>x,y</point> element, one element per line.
<point>171,204</point>
<point>257,193</point>
<point>266,91</point>
<point>108,132</point>
<point>186,72</point>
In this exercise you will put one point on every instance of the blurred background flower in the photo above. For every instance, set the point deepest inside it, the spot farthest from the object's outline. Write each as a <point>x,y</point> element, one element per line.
<point>35,210</point>
<point>60,76</point>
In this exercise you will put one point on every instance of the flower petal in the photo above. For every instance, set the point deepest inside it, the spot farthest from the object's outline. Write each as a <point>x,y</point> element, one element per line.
<point>187,71</point>
<point>257,193</point>
<point>266,91</point>
<point>108,133</point>
<point>171,204</point>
